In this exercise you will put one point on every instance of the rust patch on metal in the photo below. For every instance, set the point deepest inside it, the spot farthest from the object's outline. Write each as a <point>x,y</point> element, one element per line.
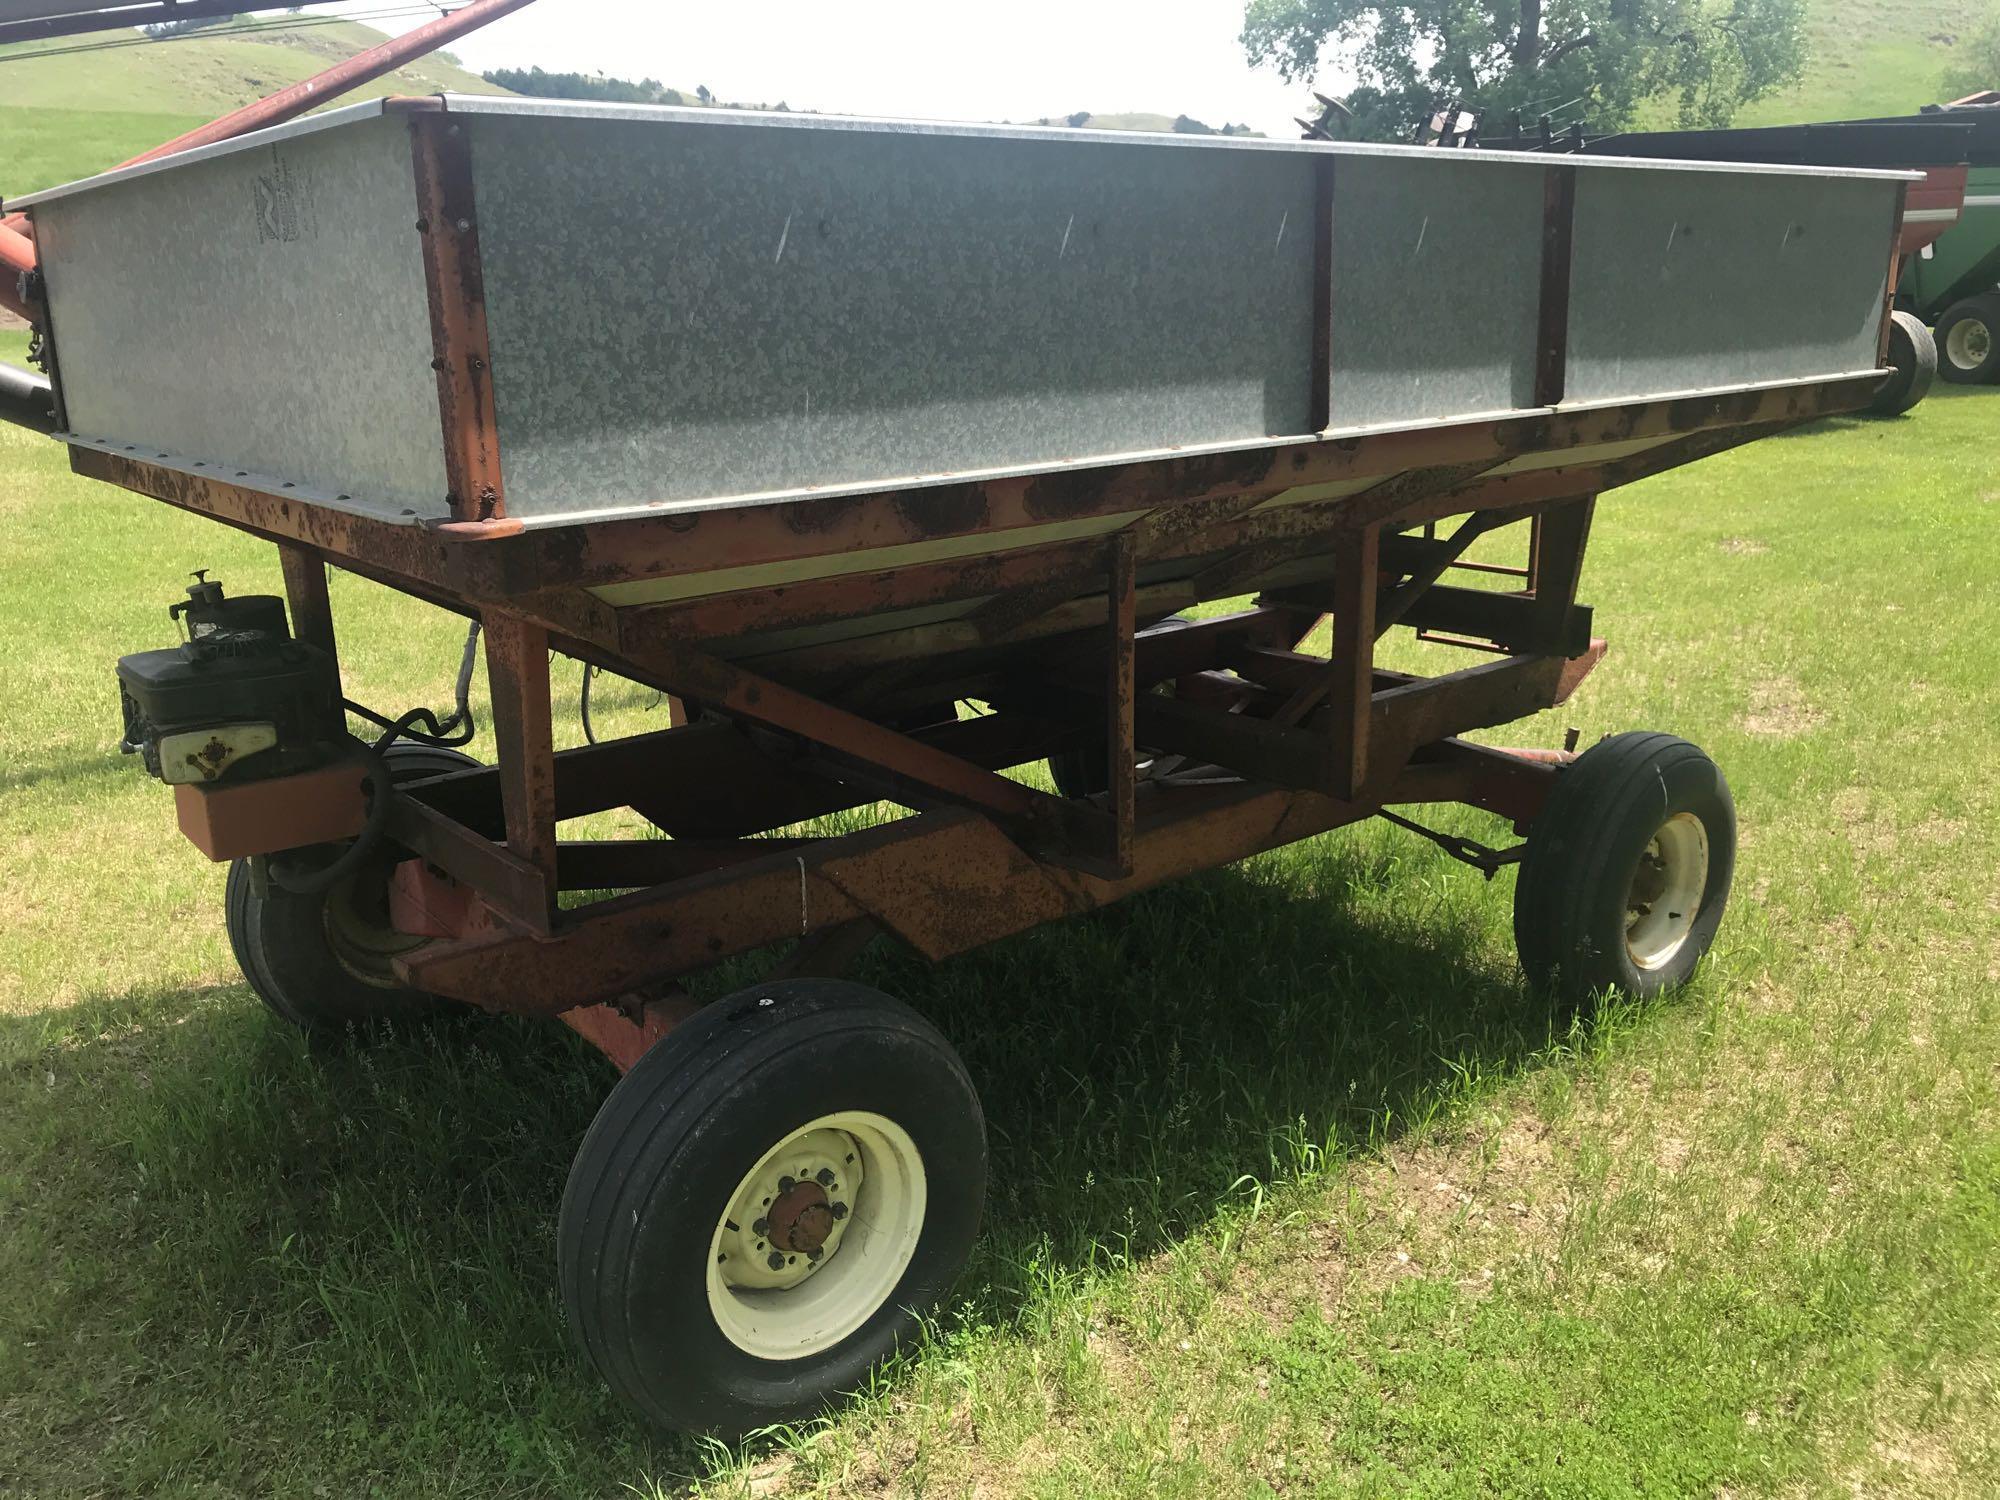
<point>948,509</point>
<point>448,223</point>
<point>800,1218</point>
<point>1068,492</point>
<point>821,514</point>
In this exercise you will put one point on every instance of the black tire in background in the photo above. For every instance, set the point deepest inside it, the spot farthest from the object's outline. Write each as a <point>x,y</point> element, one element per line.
<point>1913,365</point>
<point>655,1206</point>
<point>1968,341</point>
<point>1627,869</point>
<point>321,962</point>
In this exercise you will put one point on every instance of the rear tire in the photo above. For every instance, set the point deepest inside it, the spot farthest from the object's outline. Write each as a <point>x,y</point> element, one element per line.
<point>1968,341</point>
<point>1627,869</point>
<point>1913,362</point>
<point>768,1203</point>
<point>322,962</point>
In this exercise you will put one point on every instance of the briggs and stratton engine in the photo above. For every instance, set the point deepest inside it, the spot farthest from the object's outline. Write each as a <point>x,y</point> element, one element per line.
<point>238,698</point>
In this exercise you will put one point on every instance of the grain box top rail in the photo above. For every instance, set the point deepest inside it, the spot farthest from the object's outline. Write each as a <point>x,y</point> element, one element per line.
<point>486,104</point>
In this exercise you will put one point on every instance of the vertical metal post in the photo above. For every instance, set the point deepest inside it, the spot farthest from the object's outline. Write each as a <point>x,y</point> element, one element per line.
<point>1565,530</point>
<point>1895,270</point>
<point>1351,695</point>
<point>1121,694</point>
<point>1552,324</point>
<point>305,589</point>
<point>1321,385</point>
<point>461,354</point>
<point>517,674</point>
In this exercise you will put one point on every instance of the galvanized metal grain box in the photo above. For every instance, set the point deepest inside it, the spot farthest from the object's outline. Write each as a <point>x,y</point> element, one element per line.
<point>687,308</point>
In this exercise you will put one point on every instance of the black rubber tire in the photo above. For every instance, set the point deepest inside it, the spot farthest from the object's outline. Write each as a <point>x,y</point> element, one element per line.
<point>1583,853</point>
<point>1086,770</point>
<point>670,1146</point>
<point>1985,311</point>
<point>282,945</point>
<point>1913,361</point>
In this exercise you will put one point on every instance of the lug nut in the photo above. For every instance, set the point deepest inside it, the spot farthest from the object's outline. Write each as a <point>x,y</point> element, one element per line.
<point>840,1210</point>
<point>761,1227</point>
<point>824,1177</point>
<point>776,1261</point>
<point>786,1184</point>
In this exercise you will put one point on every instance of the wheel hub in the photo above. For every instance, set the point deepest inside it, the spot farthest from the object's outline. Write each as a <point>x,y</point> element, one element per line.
<point>1968,344</point>
<point>790,1215</point>
<point>817,1235</point>
<point>1664,896</point>
<point>801,1219</point>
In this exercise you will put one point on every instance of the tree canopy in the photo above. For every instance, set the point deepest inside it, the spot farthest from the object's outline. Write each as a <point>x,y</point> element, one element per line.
<point>1593,60</point>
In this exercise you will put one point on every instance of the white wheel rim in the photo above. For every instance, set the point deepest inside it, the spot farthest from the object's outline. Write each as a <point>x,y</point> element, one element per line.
<point>1968,344</point>
<point>1664,896</point>
<point>857,1194</point>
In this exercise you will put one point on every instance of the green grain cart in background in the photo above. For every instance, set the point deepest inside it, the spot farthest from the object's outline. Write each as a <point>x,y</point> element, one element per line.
<point>1953,284</point>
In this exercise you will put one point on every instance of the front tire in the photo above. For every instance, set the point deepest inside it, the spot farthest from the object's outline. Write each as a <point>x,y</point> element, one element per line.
<point>321,962</point>
<point>1968,341</point>
<point>768,1203</point>
<point>1627,869</point>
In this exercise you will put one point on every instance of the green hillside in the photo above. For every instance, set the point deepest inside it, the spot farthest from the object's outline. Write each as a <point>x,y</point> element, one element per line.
<point>1873,57</point>
<point>67,114</point>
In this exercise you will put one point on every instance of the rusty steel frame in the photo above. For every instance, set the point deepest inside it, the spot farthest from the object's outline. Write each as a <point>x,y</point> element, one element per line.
<point>1314,741</point>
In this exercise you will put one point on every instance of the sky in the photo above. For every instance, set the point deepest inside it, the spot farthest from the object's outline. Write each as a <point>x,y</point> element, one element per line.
<point>930,59</point>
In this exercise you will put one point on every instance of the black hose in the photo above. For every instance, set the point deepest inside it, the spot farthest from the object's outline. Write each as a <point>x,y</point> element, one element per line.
<point>583,703</point>
<point>317,882</point>
<point>27,398</point>
<point>455,730</point>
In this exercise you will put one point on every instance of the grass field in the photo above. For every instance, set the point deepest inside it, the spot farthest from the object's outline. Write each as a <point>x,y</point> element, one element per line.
<point>65,115</point>
<point>1872,57</point>
<point>1296,1189</point>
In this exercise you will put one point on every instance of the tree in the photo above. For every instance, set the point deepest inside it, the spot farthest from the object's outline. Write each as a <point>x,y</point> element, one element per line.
<point>1589,60</point>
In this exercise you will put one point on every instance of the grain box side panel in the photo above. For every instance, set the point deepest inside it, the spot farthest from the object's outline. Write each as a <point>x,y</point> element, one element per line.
<point>1693,280</point>
<point>682,311</point>
<point>262,310</point>
<point>1436,288</point>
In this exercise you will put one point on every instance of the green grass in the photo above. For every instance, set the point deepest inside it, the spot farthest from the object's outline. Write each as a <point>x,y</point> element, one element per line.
<point>1866,58</point>
<point>65,117</point>
<point>1295,1189</point>
<point>205,74</point>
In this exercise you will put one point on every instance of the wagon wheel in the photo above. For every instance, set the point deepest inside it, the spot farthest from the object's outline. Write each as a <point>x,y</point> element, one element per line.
<point>1627,869</point>
<point>768,1203</point>
<point>1913,366</point>
<point>323,962</point>
<point>1968,340</point>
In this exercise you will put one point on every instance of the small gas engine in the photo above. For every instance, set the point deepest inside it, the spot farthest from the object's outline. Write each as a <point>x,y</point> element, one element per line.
<point>238,699</point>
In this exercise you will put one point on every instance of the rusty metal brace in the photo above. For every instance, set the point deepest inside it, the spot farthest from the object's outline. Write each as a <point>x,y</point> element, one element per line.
<point>1489,862</point>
